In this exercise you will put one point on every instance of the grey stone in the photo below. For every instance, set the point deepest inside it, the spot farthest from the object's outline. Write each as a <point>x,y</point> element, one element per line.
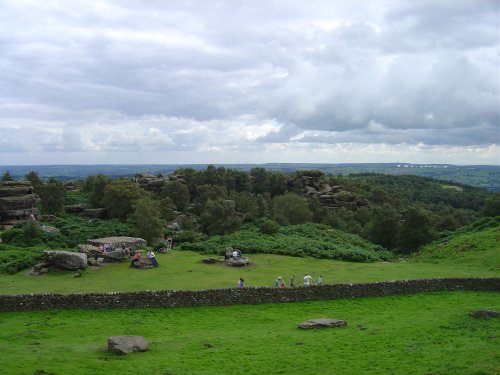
<point>478,314</point>
<point>65,259</point>
<point>127,344</point>
<point>118,255</point>
<point>237,262</point>
<point>322,322</point>
<point>49,229</point>
<point>131,242</point>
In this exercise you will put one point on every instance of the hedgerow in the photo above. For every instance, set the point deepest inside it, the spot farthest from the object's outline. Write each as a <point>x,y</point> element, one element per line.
<point>314,240</point>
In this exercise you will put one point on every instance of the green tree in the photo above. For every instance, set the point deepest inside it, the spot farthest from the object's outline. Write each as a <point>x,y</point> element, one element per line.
<point>383,229</point>
<point>492,205</point>
<point>167,209</point>
<point>291,209</point>
<point>7,177</point>
<point>220,217</point>
<point>415,230</point>
<point>178,192</point>
<point>147,219</point>
<point>94,186</point>
<point>52,196</point>
<point>35,180</point>
<point>119,197</point>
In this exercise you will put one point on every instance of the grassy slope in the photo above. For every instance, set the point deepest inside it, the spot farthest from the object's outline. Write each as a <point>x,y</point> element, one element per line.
<point>418,334</point>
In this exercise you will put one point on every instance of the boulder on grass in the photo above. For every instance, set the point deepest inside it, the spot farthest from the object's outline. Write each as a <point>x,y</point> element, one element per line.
<point>127,344</point>
<point>65,260</point>
<point>237,262</point>
<point>322,322</point>
<point>480,314</point>
<point>116,242</point>
<point>119,255</point>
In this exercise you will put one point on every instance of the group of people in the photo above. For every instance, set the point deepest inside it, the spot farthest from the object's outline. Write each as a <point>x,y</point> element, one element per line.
<point>137,257</point>
<point>308,281</point>
<point>280,282</point>
<point>232,253</point>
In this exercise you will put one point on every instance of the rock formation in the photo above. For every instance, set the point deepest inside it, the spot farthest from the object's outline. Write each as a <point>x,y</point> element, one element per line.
<point>17,202</point>
<point>155,183</point>
<point>65,260</point>
<point>127,344</point>
<point>322,322</point>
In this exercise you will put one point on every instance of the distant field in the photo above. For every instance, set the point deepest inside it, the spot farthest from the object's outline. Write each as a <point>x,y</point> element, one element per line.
<point>184,270</point>
<point>418,334</point>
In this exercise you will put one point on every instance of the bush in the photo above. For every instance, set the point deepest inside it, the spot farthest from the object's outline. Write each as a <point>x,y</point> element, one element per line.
<point>267,226</point>
<point>14,259</point>
<point>318,241</point>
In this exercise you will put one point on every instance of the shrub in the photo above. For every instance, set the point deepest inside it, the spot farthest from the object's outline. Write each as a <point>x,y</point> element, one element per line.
<point>267,226</point>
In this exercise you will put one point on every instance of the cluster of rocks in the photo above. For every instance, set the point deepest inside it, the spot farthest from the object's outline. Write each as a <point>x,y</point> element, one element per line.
<point>17,202</point>
<point>118,249</point>
<point>330,196</point>
<point>154,183</point>
<point>95,213</point>
<point>60,260</point>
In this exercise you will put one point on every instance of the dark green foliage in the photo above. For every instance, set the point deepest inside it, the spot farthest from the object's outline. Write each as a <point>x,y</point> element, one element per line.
<point>14,259</point>
<point>291,209</point>
<point>94,186</point>
<point>75,197</point>
<point>35,180</point>
<point>7,177</point>
<point>167,209</point>
<point>415,229</point>
<point>188,236</point>
<point>178,193</point>
<point>220,217</point>
<point>492,205</point>
<point>52,195</point>
<point>267,226</point>
<point>147,220</point>
<point>119,197</point>
<point>313,240</point>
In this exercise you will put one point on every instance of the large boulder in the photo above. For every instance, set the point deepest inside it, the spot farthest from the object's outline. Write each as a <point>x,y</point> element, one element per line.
<point>322,322</point>
<point>116,242</point>
<point>481,314</point>
<point>237,262</point>
<point>127,344</point>
<point>66,260</point>
<point>118,255</point>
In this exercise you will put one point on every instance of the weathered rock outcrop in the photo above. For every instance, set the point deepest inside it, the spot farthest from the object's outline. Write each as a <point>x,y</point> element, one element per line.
<point>154,183</point>
<point>322,322</point>
<point>116,242</point>
<point>127,344</point>
<point>17,202</point>
<point>328,195</point>
<point>65,260</point>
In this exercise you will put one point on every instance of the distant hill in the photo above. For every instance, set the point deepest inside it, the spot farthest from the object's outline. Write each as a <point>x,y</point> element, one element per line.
<point>475,245</point>
<point>484,176</point>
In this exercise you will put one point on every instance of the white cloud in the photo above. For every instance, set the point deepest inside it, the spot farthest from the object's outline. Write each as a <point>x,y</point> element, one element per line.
<point>265,79</point>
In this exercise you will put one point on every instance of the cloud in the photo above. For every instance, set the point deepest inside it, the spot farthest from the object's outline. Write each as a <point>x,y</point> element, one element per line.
<point>261,78</point>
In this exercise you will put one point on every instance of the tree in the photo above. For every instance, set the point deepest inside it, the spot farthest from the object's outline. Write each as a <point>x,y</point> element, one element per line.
<point>119,197</point>
<point>7,177</point>
<point>492,205</point>
<point>52,196</point>
<point>415,229</point>
<point>384,226</point>
<point>220,217</point>
<point>291,209</point>
<point>178,192</point>
<point>35,180</point>
<point>94,186</point>
<point>147,220</point>
<point>167,209</point>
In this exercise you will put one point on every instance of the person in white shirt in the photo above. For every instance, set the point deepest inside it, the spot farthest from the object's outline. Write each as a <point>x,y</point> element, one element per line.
<point>308,280</point>
<point>152,257</point>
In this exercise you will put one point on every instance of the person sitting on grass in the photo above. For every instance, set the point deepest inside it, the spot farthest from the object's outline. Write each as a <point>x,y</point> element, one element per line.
<point>135,259</point>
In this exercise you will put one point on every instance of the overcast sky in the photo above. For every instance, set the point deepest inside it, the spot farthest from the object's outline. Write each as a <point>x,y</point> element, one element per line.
<point>124,81</point>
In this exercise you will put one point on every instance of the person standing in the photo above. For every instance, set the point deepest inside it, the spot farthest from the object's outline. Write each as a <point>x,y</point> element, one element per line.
<point>152,257</point>
<point>320,280</point>
<point>241,283</point>
<point>277,282</point>
<point>308,280</point>
<point>292,281</point>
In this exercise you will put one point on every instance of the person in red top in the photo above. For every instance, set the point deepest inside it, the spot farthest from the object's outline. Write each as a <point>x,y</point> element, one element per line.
<point>135,258</point>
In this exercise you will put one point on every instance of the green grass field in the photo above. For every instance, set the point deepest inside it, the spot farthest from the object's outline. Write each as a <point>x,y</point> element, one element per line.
<point>418,334</point>
<point>184,270</point>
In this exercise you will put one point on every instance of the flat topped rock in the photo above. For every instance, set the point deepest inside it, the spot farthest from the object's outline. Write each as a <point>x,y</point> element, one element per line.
<point>130,242</point>
<point>479,314</point>
<point>127,344</point>
<point>322,322</point>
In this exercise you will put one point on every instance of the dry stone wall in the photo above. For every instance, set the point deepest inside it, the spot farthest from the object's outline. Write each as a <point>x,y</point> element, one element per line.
<point>222,297</point>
